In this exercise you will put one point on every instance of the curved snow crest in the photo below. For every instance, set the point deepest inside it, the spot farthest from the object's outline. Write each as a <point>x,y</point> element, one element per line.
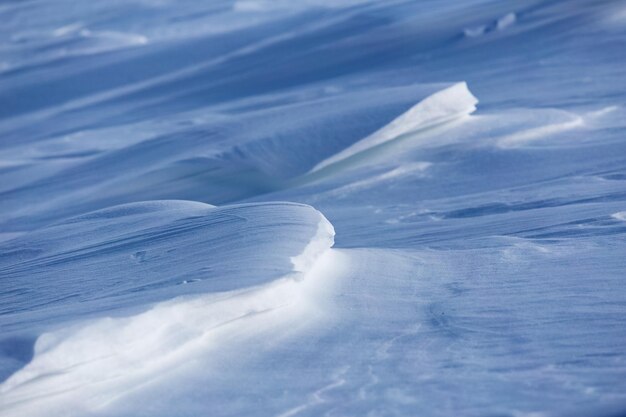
<point>323,240</point>
<point>443,106</point>
<point>131,255</point>
<point>107,357</point>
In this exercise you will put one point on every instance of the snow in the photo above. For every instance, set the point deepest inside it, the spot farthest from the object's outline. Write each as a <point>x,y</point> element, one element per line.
<point>101,360</point>
<point>500,24</point>
<point>279,208</point>
<point>506,21</point>
<point>443,106</point>
<point>619,216</point>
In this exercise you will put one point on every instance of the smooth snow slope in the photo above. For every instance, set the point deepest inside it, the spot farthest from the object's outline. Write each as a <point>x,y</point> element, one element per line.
<point>312,208</point>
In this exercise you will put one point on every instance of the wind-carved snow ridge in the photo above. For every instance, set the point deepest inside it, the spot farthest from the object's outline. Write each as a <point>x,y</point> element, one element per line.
<point>443,106</point>
<point>102,360</point>
<point>321,242</point>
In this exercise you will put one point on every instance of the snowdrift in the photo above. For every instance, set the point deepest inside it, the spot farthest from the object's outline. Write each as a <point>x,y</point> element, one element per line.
<point>122,259</point>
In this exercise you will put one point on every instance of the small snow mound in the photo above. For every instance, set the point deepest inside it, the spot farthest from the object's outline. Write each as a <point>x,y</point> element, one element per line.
<point>499,24</point>
<point>621,216</point>
<point>506,21</point>
<point>76,265</point>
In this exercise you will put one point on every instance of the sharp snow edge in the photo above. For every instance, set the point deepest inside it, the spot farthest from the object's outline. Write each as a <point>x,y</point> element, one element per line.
<point>323,240</point>
<point>443,106</point>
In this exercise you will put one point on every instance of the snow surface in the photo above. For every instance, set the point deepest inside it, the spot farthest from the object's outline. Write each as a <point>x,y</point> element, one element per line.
<point>312,208</point>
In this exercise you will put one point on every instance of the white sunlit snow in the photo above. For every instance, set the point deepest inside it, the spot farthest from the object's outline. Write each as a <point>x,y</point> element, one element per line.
<point>312,208</point>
